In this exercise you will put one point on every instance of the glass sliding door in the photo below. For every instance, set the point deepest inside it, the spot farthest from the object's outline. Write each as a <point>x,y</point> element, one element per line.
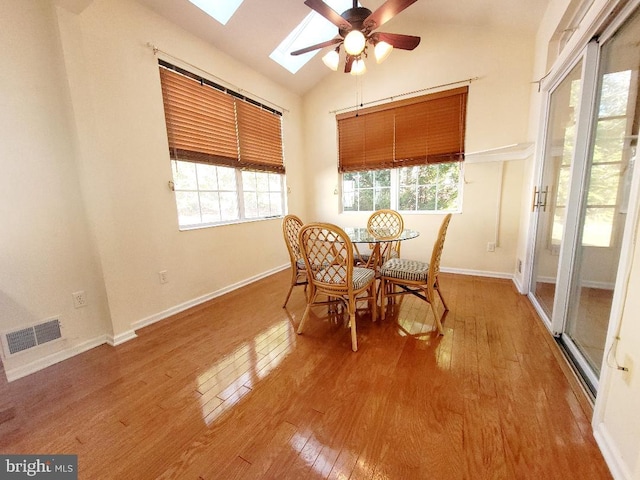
<point>550,196</point>
<point>603,208</point>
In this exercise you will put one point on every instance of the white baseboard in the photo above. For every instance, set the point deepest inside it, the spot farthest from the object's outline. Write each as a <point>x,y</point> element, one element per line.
<point>477,273</point>
<point>204,298</point>
<point>115,340</point>
<point>619,470</point>
<point>47,361</point>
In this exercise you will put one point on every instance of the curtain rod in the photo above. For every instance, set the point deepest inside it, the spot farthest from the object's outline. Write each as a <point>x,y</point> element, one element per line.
<point>227,84</point>
<point>393,97</point>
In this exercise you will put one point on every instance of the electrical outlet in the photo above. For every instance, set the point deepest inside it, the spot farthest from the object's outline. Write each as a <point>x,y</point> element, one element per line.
<point>163,276</point>
<point>79,299</point>
<point>491,247</point>
<point>519,266</point>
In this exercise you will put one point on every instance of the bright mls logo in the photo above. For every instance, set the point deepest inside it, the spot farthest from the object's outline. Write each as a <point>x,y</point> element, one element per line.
<point>51,467</point>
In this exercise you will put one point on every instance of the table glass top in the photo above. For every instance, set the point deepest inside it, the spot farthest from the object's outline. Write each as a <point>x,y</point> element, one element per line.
<point>362,235</point>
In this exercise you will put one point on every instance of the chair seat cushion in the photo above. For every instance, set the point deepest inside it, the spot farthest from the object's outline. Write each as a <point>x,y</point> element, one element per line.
<point>336,274</point>
<point>404,269</point>
<point>300,264</point>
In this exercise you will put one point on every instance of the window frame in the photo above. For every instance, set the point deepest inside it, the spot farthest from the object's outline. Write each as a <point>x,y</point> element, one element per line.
<point>394,187</point>
<point>239,194</point>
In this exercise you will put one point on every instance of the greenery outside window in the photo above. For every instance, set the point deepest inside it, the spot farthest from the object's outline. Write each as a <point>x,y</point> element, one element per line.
<point>425,188</point>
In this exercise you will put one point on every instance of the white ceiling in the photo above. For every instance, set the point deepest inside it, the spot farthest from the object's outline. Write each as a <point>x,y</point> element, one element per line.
<point>259,26</point>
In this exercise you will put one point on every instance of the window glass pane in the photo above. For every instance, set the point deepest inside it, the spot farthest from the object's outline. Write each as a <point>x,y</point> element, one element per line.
<point>207,176</point>
<point>349,183</point>
<point>614,94</point>
<point>563,188</point>
<point>262,181</point>
<point>610,135</point>
<point>210,206</point>
<point>184,175</point>
<point>366,200</point>
<point>275,203</point>
<point>249,183</point>
<point>426,198</point>
<point>264,208</point>
<point>558,225</point>
<point>188,208</point>
<point>603,185</point>
<point>407,199</point>
<point>598,226</point>
<point>228,206</point>
<point>447,198</point>
<point>382,198</point>
<point>365,179</point>
<point>275,182</point>
<point>227,178</point>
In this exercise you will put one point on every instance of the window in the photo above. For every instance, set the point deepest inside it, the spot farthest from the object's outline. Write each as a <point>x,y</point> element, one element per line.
<point>425,188</point>
<point>209,194</point>
<point>405,155</point>
<point>226,152</point>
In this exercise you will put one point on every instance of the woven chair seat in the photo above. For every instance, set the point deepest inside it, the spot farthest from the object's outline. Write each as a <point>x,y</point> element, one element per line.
<point>404,269</point>
<point>337,274</point>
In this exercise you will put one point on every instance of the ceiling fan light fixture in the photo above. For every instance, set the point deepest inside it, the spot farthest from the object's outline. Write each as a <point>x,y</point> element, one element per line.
<point>354,42</point>
<point>382,51</point>
<point>358,67</point>
<point>332,59</point>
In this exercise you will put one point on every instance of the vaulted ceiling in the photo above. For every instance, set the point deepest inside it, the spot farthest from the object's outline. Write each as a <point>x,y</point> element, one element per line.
<point>259,26</point>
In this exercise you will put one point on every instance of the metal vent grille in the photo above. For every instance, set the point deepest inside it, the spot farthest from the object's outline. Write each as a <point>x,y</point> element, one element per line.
<point>47,331</point>
<point>33,336</point>
<point>21,340</point>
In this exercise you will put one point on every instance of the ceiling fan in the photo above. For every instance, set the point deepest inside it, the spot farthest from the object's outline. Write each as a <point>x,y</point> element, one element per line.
<point>355,29</point>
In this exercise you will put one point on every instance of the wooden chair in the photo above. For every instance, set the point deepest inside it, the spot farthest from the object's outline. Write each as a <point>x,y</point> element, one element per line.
<point>384,224</point>
<point>291,226</point>
<point>417,278</point>
<point>328,257</point>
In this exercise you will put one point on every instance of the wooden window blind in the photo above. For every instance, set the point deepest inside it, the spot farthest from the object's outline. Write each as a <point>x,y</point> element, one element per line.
<point>209,124</point>
<point>260,138</point>
<point>416,131</point>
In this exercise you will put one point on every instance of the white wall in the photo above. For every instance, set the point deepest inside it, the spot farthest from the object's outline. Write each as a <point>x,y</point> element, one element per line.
<point>497,116</point>
<point>86,204</point>
<point>46,249</point>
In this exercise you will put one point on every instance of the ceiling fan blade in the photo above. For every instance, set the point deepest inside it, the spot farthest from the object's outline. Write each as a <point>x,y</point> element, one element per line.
<point>317,46</point>
<point>386,12</point>
<point>329,13</point>
<point>397,40</point>
<point>348,63</point>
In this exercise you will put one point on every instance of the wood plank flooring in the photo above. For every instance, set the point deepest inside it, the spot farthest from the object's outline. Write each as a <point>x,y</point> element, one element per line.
<point>228,390</point>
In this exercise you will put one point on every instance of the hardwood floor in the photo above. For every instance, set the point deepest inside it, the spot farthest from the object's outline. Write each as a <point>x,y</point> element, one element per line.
<point>228,390</point>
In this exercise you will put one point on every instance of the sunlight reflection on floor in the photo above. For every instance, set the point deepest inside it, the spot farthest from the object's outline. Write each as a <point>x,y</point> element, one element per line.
<point>233,377</point>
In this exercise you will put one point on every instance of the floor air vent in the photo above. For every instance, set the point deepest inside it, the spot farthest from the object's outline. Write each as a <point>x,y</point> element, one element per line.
<point>26,338</point>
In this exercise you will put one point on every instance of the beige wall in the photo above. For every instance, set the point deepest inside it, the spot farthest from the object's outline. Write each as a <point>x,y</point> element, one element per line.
<point>498,110</point>
<point>46,247</point>
<point>86,204</point>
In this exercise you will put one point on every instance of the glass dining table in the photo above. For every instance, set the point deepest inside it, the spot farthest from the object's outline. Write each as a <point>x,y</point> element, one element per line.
<point>381,246</point>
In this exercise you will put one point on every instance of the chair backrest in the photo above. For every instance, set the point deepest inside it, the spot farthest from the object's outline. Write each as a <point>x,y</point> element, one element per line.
<point>385,224</point>
<point>291,226</point>
<point>436,254</point>
<point>328,255</point>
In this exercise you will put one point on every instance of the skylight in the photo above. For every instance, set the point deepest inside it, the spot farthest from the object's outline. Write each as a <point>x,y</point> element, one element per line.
<point>221,10</point>
<point>313,29</point>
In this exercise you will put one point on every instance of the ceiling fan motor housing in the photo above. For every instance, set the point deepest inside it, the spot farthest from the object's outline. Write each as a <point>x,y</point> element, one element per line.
<point>356,17</point>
